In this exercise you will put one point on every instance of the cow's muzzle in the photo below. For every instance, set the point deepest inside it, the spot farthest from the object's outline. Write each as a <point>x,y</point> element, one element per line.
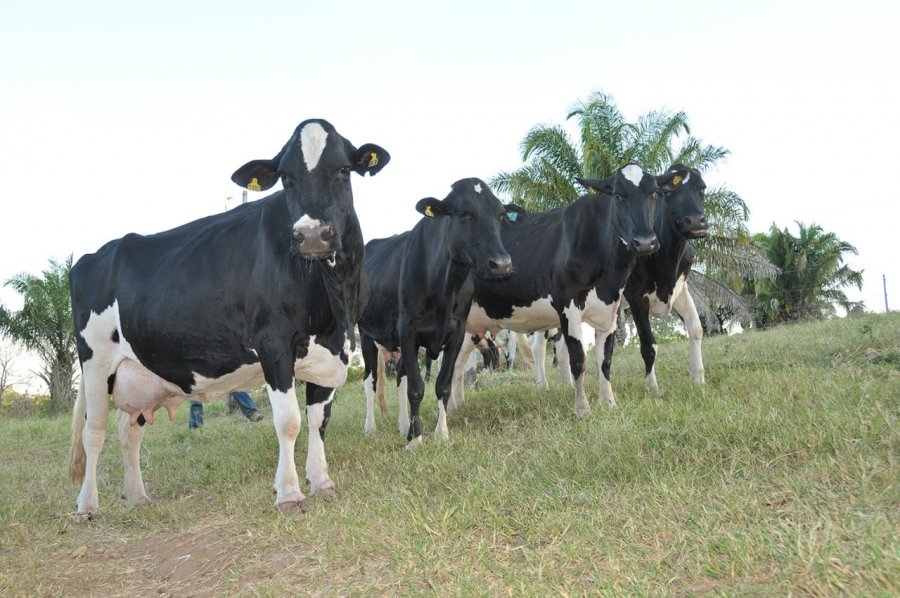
<point>644,245</point>
<point>497,267</point>
<point>315,242</point>
<point>692,227</point>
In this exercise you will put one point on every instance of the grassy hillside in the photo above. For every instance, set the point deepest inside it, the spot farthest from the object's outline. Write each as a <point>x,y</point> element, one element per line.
<point>779,476</point>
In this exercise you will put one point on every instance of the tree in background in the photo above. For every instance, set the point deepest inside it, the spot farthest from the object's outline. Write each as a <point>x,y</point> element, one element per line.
<point>812,278</point>
<point>44,326</point>
<point>656,140</point>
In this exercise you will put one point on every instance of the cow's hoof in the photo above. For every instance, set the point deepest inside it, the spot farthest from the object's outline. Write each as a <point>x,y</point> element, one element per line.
<point>328,492</point>
<point>87,516</point>
<point>139,501</point>
<point>414,443</point>
<point>292,507</point>
<point>370,432</point>
<point>582,411</point>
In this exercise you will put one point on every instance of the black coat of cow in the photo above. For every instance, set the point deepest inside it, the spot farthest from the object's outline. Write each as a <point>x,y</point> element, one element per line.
<point>572,266</point>
<point>422,291</point>
<point>267,292</point>
<point>659,281</point>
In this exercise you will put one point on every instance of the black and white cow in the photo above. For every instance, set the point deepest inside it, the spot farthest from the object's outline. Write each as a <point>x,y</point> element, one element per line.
<point>266,292</point>
<point>572,264</point>
<point>659,281</point>
<point>422,291</point>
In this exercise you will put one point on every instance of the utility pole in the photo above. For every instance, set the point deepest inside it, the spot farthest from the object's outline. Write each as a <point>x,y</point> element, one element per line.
<point>884,286</point>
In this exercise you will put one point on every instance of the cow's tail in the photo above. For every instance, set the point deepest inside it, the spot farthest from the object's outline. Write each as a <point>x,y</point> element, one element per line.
<point>77,457</point>
<point>379,384</point>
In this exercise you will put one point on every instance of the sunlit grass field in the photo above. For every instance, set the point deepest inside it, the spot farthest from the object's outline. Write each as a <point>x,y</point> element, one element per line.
<point>779,477</point>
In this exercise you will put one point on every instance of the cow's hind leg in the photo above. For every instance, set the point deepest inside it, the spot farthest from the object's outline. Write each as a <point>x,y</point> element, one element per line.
<point>287,419</point>
<point>96,411</point>
<point>539,350</point>
<point>130,437</point>
<point>318,412</point>
<point>457,387</point>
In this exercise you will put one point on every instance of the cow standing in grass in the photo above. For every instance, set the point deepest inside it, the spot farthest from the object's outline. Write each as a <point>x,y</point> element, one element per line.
<point>422,291</point>
<point>572,264</point>
<point>266,292</point>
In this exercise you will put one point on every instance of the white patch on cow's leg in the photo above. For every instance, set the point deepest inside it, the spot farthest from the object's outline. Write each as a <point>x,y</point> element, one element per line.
<point>402,408</point>
<point>457,387</point>
<point>313,138</point>
<point>440,430</point>
<point>633,173</point>
<point>684,306</point>
<point>316,465</point>
<point>130,442</point>
<point>369,385</point>
<point>539,350</point>
<point>562,359</point>
<point>650,381</point>
<point>93,434</point>
<point>287,419</point>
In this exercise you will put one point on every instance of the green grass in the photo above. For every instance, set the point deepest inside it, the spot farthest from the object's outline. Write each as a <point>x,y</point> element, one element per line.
<point>778,477</point>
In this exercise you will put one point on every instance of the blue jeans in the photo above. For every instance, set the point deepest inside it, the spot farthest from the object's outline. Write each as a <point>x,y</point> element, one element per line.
<point>245,402</point>
<point>195,420</point>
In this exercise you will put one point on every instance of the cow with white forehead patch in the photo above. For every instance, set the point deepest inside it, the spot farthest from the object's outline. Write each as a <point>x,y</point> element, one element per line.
<point>266,292</point>
<point>659,281</point>
<point>422,291</point>
<point>572,266</point>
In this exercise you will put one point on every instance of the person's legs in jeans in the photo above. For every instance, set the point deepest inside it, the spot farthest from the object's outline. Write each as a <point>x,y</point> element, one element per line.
<point>195,420</point>
<point>247,405</point>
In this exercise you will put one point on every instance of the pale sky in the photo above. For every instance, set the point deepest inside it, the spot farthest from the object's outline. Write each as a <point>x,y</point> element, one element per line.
<point>117,118</point>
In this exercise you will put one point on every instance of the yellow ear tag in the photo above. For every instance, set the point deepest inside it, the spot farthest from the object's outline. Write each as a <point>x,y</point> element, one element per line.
<point>428,212</point>
<point>676,180</point>
<point>373,160</point>
<point>254,185</point>
<point>592,191</point>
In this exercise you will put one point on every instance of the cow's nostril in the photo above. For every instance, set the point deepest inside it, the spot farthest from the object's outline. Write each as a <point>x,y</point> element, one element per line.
<point>327,232</point>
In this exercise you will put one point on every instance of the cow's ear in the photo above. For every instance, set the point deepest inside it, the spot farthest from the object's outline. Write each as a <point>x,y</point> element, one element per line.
<point>673,179</point>
<point>432,207</point>
<point>370,158</point>
<point>514,213</point>
<point>257,175</point>
<point>596,186</point>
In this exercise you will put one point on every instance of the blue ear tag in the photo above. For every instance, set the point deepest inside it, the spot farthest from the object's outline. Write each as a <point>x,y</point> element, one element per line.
<point>513,216</point>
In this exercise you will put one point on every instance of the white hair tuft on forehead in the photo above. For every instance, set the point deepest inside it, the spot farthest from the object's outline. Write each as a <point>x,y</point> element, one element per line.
<point>477,187</point>
<point>312,142</point>
<point>633,173</point>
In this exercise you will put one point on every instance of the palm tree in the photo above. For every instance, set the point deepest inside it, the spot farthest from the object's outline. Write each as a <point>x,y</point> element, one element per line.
<point>44,326</point>
<point>812,277</point>
<point>657,140</point>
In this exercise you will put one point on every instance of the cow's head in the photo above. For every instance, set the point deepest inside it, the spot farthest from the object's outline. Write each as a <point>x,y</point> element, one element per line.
<point>683,199</point>
<point>633,193</point>
<point>314,167</point>
<point>474,216</point>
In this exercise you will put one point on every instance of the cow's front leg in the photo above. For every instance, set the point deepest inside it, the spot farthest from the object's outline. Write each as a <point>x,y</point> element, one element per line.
<point>287,418</point>
<point>318,412</point>
<point>604,342</point>
<point>443,384</point>
<point>415,385</point>
<point>640,312</point>
<point>685,307</point>
<point>370,382</point>
<point>570,324</point>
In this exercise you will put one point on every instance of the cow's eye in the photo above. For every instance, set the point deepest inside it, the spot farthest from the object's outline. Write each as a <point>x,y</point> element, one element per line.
<point>286,181</point>
<point>345,171</point>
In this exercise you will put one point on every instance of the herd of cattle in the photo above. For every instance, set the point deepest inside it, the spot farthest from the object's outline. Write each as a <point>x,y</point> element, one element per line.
<point>270,292</point>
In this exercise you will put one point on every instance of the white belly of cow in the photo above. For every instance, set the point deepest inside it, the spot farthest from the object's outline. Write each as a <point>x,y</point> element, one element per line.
<point>538,315</point>
<point>601,315</point>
